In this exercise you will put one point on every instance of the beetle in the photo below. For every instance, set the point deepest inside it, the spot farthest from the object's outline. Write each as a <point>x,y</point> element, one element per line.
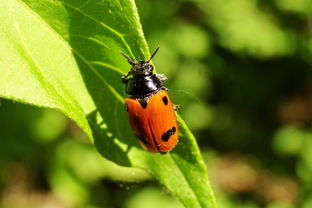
<point>150,110</point>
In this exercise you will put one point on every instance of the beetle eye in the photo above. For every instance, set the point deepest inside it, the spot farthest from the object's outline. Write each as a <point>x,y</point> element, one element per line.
<point>149,67</point>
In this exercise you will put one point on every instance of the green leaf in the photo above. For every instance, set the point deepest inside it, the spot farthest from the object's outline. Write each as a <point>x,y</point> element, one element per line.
<point>65,55</point>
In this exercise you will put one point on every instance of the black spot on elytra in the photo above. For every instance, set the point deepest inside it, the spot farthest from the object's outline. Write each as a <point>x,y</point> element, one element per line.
<point>143,102</point>
<point>142,139</point>
<point>126,107</point>
<point>157,146</point>
<point>165,100</point>
<point>165,137</point>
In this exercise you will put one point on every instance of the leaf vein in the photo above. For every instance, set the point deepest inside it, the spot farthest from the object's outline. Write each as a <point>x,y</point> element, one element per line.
<point>106,65</point>
<point>118,96</point>
<point>119,35</point>
<point>40,76</point>
<point>89,38</point>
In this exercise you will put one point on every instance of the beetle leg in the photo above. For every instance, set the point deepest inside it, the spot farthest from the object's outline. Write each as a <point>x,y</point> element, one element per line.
<point>164,88</point>
<point>125,76</point>
<point>161,77</point>
<point>176,107</point>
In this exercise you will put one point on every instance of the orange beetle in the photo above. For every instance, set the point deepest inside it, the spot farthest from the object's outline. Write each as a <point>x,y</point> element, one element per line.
<point>151,112</point>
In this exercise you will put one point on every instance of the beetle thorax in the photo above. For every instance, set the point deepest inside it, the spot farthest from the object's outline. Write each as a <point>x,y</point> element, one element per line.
<point>142,68</point>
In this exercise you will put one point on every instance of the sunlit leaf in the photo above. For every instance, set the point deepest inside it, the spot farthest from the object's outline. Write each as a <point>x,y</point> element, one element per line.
<point>65,55</point>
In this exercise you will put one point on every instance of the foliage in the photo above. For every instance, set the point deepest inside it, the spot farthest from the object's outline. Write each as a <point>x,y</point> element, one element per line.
<point>240,70</point>
<point>69,60</point>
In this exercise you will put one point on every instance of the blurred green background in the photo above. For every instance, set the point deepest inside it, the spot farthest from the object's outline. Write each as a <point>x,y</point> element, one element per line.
<point>240,70</point>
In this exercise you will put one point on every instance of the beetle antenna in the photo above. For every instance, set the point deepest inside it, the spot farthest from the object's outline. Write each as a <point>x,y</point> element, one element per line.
<point>128,58</point>
<point>152,55</point>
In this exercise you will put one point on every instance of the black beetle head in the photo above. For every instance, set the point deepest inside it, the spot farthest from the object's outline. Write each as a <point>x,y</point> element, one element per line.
<point>141,67</point>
